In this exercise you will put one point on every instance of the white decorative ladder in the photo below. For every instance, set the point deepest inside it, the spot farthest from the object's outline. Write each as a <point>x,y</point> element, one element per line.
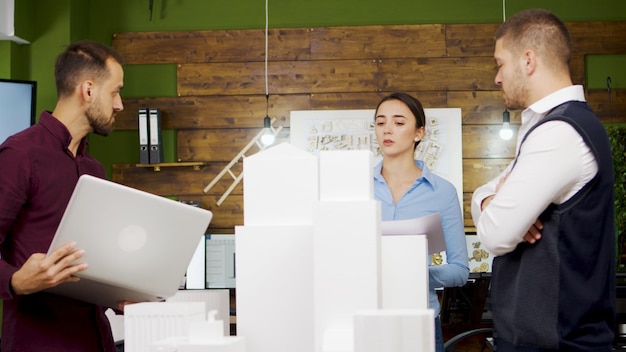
<point>240,156</point>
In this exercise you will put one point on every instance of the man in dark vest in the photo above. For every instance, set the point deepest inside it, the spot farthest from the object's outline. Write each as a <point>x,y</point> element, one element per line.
<point>548,217</point>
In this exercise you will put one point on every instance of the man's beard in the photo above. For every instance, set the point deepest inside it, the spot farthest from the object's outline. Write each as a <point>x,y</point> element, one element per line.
<point>99,122</point>
<point>516,94</point>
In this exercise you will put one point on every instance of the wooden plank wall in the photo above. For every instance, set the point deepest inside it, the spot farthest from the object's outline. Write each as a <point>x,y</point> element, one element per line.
<point>221,92</point>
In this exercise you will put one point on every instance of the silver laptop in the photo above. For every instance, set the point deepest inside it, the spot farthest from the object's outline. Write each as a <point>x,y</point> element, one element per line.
<point>138,245</point>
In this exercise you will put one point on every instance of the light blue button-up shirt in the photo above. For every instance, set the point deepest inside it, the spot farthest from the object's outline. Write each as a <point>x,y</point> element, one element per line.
<point>431,194</point>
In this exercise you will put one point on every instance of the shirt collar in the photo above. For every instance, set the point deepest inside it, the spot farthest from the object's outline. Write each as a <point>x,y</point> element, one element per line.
<point>549,102</point>
<point>427,175</point>
<point>60,132</point>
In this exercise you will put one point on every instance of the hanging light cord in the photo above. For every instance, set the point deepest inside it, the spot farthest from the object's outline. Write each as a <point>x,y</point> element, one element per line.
<point>503,10</point>
<point>267,91</point>
<point>608,90</point>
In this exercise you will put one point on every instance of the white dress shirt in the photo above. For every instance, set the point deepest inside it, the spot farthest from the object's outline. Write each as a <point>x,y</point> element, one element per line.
<point>553,164</point>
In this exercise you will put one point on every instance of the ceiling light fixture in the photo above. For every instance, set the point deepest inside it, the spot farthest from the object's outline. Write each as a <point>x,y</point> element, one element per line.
<point>269,136</point>
<point>506,132</point>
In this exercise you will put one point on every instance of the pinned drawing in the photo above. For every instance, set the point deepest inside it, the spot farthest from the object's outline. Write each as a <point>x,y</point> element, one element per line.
<point>441,150</point>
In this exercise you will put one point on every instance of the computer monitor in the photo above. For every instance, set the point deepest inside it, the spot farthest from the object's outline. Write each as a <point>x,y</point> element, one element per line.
<point>17,106</point>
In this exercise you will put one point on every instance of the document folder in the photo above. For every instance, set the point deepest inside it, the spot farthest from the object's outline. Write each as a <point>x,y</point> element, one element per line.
<point>156,146</point>
<point>144,143</point>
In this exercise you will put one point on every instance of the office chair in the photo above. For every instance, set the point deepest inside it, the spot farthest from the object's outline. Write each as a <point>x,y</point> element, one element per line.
<point>463,309</point>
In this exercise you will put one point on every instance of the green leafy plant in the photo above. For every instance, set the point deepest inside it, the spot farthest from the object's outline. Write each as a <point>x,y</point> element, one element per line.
<point>617,136</point>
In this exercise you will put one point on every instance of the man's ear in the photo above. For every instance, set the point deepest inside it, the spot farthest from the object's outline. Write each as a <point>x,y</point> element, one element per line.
<point>530,62</point>
<point>86,90</point>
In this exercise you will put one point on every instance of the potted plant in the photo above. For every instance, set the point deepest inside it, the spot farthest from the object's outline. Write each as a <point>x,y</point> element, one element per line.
<point>617,137</point>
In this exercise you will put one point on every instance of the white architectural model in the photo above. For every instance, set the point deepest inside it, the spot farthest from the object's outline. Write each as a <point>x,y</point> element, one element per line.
<point>312,274</point>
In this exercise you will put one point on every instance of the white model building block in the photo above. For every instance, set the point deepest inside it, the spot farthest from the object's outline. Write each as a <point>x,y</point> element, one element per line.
<point>347,266</point>
<point>148,322</point>
<point>195,277</point>
<point>405,272</point>
<point>182,344</point>
<point>346,175</point>
<point>214,299</point>
<point>117,324</point>
<point>203,336</point>
<point>339,339</point>
<point>280,186</point>
<point>404,330</point>
<point>275,287</point>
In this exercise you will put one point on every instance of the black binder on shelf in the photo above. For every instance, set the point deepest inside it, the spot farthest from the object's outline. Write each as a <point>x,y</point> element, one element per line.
<point>154,128</point>
<point>144,137</point>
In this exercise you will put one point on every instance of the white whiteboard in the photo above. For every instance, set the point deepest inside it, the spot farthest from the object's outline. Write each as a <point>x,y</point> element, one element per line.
<point>441,149</point>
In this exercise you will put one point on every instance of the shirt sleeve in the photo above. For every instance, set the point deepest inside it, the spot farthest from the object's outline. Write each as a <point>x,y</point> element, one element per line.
<point>549,164</point>
<point>13,194</point>
<point>456,271</point>
<point>484,191</point>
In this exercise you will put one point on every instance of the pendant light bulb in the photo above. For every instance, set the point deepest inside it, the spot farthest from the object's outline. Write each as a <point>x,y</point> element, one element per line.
<point>268,136</point>
<point>506,132</point>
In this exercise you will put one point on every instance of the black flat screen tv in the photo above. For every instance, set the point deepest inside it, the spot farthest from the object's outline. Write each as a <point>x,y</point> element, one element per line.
<point>17,106</point>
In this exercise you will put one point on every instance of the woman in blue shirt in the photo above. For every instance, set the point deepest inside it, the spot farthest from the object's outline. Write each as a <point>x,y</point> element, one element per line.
<point>407,189</point>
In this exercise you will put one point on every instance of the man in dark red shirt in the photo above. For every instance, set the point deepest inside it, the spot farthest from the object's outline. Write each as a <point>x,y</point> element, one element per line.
<point>39,170</point>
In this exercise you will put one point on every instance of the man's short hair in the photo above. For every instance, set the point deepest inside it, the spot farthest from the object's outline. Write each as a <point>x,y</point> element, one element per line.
<point>538,30</point>
<point>82,60</point>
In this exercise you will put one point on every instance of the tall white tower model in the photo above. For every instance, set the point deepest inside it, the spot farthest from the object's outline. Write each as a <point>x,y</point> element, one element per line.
<point>310,260</point>
<point>274,251</point>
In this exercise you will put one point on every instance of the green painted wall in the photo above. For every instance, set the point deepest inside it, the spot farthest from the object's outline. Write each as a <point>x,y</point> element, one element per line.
<point>5,59</point>
<point>228,14</point>
<point>599,67</point>
<point>51,34</point>
<point>61,21</point>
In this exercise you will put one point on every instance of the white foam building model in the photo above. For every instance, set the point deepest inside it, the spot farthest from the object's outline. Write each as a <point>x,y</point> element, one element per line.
<point>189,321</point>
<point>148,322</point>
<point>314,273</point>
<point>202,336</point>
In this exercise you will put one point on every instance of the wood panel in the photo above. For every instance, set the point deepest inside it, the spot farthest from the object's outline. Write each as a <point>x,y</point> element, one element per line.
<point>577,69</point>
<point>221,88</point>
<point>466,40</point>
<point>212,46</point>
<point>225,216</point>
<point>598,37</point>
<point>479,142</point>
<point>609,107</point>
<point>483,141</point>
<point>213,144</point>
<point>477,172</point>
<point>247,111</point>
<point>481,107</point>
<point>344,101</point>
<point>213,111</point>
<point>378,42</point>
<point>285,77</point>
<point>174,181</point>
<point>472,73</point>
<point>467,210</point>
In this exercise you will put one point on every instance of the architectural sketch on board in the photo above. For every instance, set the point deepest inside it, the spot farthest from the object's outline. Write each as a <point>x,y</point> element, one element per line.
<point>441,149</point>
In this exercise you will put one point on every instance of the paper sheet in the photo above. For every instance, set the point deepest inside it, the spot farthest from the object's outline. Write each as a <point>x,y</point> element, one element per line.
<point>429,225</point>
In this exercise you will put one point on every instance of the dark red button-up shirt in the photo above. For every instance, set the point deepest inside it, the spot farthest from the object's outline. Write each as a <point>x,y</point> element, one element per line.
<point>38,174</point>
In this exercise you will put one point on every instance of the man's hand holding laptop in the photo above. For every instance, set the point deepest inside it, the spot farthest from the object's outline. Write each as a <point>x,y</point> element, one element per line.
<point>40,272</point>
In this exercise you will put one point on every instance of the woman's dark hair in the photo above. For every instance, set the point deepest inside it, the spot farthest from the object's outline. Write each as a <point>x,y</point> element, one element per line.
<point>413,104</point>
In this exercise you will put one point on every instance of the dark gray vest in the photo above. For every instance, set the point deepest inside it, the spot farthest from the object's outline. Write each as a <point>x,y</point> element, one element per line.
<point>559,294</point>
